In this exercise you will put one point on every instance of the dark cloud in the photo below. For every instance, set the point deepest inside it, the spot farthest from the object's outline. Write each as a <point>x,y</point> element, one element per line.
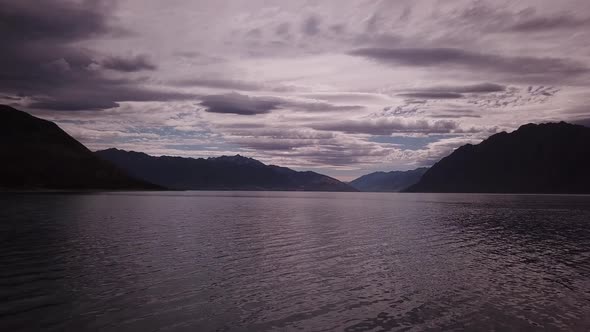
<point>311,25</point>
<point>53,20</point>
<point>388,126</point>
<point>547,91</point>
<point>432,95</point>
<point>40,59</point>
<point>234,103</point>
<point>97,95</point>
<point>129,64</point>
<point>73,105</point>
<point>453,92</point>
<point>474,88</point>
<point>517,65</point>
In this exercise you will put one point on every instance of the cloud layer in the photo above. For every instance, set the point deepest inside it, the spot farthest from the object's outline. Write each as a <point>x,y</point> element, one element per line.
<point>342,87</point>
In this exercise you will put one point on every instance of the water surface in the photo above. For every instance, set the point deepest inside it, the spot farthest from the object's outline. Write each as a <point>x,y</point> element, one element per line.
<point>278,261</point>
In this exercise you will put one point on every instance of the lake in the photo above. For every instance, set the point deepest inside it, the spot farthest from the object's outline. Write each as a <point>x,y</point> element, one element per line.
<point>282,261</point>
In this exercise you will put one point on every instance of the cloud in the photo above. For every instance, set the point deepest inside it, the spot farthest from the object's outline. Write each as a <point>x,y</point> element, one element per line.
<point>432,95</point>
<point>536,24</point>
<point>339,151</point>
<point>53,20</point>
<point>443,57</point>
<point>73,105</point>
<point>454,116</point>
<point>389,126</point>
<point>311,25</point>
<point>474,88</point>
<point>452,92</point>
<point>348,97</point>
<point>318,106</point>
<point>235,103</point>
<point>483,17</point>
<point>229,84</point>
<point>219,84</point>
<point>277,81</point>
<point>129,64</point>
<point>277,139</point>
<point>97,95</point>
<point>42,62</point>
<point>302,145</point>
<point>283,29</point>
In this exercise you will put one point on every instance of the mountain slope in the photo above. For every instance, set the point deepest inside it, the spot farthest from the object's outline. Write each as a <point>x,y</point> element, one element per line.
<point>545,158</point>
<point>388,181</point>
<point>222,173</point>
<point>37,154</point>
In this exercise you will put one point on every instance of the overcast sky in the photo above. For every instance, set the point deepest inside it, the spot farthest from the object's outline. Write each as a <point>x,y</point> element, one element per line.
<point>341,87</point>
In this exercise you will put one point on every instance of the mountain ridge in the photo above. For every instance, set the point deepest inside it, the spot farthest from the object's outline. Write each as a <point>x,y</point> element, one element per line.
<point>535,158</point>
<point>219,173</point>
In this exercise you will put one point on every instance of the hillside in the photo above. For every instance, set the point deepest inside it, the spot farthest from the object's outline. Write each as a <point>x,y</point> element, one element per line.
<point>37,154</point>
<point>543,158</point>
<point>393,181</point>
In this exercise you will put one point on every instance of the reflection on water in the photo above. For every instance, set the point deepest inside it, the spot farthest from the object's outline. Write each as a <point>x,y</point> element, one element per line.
<point>249,261</point>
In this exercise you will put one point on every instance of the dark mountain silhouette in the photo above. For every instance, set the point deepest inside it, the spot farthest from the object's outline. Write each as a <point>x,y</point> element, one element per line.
<point>388,181</point>
<point>221,173</point>
<point>544,158</point>
<point>37,154</point>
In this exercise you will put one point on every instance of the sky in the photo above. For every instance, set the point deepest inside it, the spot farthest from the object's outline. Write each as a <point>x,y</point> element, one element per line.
<point>341,87</point>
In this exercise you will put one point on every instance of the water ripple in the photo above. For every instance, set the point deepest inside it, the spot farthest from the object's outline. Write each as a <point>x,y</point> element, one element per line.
<point>222,261</point>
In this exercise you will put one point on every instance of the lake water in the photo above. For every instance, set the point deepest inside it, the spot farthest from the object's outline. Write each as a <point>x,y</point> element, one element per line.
<point>278,261</point>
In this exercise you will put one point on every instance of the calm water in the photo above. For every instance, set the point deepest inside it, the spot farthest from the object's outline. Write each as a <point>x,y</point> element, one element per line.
<point>262,261</point>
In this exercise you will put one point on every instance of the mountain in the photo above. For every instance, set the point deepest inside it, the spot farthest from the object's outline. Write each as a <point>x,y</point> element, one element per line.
<point>37,154</point>
<point>221,173</point>
<point>388,181</point>
<point>543,158</point>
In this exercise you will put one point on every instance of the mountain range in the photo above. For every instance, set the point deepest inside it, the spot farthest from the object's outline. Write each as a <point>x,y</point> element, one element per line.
<point>220,173</point>
<point>536,158</point>
<point>393,181</point>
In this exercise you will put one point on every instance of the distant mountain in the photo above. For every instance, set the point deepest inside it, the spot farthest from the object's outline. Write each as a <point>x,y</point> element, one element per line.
<point>388,181</point>
<point>221,173</point>
<point>37,154</point>
<point>544,158</point>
